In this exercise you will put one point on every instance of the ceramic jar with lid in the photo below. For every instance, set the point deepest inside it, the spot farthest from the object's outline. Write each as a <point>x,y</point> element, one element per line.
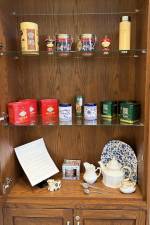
<point>65,112</point>
<point>90,111</point>
<point>63,44</point>
<point>87,44</point>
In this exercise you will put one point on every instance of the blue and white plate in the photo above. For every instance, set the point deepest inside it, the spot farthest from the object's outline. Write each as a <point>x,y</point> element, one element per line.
<point>123,153</point>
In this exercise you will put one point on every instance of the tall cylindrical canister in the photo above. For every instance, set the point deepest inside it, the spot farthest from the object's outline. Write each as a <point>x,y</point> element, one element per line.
<point>125,34</point>
<point>29,38</point>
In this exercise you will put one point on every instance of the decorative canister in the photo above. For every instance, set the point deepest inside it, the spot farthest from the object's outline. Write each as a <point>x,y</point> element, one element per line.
<point>90,111</point>
<point>49,110</point>
<point>29,38</point>
<point>63,44</point>
<point>32,109</point>
<point>87,44</point>
<point>19,113</point>
<point>65,112</point>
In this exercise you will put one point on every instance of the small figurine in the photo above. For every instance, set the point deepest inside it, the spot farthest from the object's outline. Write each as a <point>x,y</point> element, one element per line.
<point>53,185</point>
<point>105,44</point>
<point>50,43</point>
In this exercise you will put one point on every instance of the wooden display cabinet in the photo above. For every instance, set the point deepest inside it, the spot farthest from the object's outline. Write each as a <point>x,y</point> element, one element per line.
<point>114,77</point>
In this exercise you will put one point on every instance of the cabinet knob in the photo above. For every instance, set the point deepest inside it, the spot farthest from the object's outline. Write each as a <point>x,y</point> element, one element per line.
<point>68,223</point>
<point>77,218</point>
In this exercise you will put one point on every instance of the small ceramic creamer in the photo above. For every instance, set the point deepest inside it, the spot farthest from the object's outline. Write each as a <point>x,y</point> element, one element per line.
<point>113,173</point>
<point>90,176</point>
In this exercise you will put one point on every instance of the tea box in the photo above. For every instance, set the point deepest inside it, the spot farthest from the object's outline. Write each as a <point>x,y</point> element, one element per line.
<point>108,109</point>
<point>71,169</point>
<point>130,112</point>
<point>32,109</point>
<point>65,112</point>
<point>19,113</point>
<point>29,38</point>
<point>90,111</point>
<point>49,110</point>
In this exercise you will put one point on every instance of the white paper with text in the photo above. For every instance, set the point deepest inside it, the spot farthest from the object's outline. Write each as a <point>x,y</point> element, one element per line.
<point>36,161</point>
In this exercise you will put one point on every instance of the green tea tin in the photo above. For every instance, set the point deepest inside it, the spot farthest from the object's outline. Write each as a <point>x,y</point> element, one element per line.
<point>79,105</point>
<point>130,112</point>
<point>108,109</point>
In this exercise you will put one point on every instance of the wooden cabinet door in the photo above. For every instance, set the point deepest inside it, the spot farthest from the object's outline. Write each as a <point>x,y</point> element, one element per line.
<point>109,217</point>
<point>38,217</point>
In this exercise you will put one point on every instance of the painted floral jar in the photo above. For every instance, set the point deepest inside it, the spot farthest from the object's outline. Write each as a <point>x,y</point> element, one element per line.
<point>87,44</point>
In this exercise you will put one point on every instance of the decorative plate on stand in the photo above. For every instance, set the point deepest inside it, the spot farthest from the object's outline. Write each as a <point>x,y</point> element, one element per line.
<point>123,153</point>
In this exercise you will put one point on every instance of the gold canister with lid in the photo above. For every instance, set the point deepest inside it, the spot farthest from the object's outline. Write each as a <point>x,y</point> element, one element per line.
<point>29,38</point>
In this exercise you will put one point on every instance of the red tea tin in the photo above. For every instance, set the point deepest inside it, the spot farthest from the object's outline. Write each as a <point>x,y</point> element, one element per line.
<point>19,113</point>
<point>32,109</point>
<point>49,110</point>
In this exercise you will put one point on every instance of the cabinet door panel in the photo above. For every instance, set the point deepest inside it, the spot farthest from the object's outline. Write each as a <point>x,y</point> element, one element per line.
<point>109,222</point>
<point>38,217</point>
<point>37,221</point>
<point>110,217</point>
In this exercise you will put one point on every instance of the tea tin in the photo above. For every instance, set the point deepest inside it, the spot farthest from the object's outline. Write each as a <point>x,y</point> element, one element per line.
<point>130,112</point>
<point>108,109</point>
<point>90,111</point>
<point>87,44</point>
<point>29,38</point>
<point>49,110</point>
<point>79,106</point>
<point>63,44</point>
<point>32,109</point>
<point>19,113</point>
<point>65,112</point>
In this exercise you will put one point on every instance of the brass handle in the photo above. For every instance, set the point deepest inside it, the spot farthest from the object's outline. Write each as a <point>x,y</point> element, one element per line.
<point>78,223</point>
<point>68,222</point>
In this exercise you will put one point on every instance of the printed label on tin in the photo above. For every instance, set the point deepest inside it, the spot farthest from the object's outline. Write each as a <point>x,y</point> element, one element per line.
<point>31,39</point>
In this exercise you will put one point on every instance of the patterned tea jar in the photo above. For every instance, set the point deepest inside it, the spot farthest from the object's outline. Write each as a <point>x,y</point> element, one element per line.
<point>90,111</point>
<point>63,44</point>
<point>87,44</point>
<point>65,112</point>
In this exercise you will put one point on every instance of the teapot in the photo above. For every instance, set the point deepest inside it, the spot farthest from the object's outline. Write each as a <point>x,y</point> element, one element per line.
<point>90,176</point>
<point>113,173</point>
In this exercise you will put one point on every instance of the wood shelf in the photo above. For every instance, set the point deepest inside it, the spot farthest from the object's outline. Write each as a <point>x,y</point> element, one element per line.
<point>72,192</point>
<point>134,53</point>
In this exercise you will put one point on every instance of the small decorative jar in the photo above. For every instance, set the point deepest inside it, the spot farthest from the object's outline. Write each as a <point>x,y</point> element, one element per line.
<point>90,111</point>
<point>65,112</point>
<point>50,44</point>
<point>87,44</point>
<point>63,44</point>
<point>105,44</point>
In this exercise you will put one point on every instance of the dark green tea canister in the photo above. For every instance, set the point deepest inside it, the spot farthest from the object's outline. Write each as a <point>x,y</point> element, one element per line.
<point>130,112</point>
<point>108,109</point>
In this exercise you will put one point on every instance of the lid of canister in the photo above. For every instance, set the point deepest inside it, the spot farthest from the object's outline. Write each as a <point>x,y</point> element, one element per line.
<point>90,104</point>
<point>63,35</point>
<point>125,18</point>
<point>64,104</point>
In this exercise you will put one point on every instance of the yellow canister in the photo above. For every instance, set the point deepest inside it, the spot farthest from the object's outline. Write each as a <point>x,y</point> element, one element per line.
<point>29,38</point>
